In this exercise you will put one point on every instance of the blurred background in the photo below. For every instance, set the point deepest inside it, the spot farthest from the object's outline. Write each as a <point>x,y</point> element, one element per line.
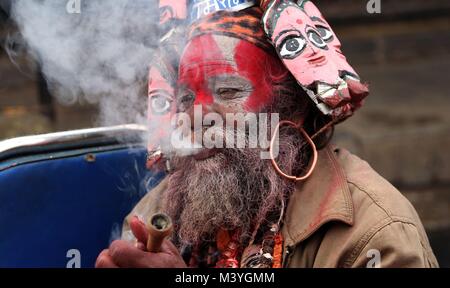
<point>403,131</point>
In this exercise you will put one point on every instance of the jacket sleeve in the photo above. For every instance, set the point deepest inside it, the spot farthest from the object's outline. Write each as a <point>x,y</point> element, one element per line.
<point>396,245</point>
<point>145,208</point>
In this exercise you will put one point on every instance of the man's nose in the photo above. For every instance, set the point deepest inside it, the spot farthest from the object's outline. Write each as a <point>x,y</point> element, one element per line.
<point>203,98</point>
<point>198,111</point>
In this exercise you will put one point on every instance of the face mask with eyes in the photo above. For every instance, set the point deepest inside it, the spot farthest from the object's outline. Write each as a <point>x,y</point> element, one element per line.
<point>311,51</point>
<point>330,38</point>
<point>162,78</point>
<point>161,107</point>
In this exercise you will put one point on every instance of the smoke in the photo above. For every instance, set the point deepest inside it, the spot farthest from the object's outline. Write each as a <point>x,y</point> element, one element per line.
<point>100,55</point>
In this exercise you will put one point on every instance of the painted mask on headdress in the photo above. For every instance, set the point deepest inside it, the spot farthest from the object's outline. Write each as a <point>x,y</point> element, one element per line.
<point>162,77</point>
<point>161,107</point>
<point>311,51</point>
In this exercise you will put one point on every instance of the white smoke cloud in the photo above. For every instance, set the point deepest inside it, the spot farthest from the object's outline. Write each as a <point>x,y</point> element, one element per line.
<point>100,55</point>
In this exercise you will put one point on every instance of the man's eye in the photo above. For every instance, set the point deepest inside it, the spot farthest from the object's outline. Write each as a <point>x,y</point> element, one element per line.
<point>316,39</point>
<point>186,101</point>
<point>227,93</point>
<point>325,33</point>
<point>160,105</point>
<point>292,46</point>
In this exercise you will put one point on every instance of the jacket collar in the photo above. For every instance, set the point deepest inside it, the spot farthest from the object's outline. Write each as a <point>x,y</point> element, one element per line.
<point>322,198</point>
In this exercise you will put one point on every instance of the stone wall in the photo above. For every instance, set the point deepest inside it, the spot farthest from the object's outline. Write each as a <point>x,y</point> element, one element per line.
<point>403,130</point>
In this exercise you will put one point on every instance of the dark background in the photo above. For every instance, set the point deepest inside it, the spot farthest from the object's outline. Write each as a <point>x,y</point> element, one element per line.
<point>403,131</point>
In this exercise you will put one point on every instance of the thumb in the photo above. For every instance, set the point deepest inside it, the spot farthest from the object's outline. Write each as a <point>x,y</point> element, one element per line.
<point>139,230</point>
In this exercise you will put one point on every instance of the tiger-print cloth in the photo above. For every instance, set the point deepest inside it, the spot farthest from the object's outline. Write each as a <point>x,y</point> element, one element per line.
<point>244,24</point>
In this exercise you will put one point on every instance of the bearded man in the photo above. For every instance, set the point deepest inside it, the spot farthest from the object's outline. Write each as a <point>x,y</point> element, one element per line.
<point>231,208</point>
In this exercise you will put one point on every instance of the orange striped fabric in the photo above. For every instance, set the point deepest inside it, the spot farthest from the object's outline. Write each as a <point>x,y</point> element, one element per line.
<point>244,24</point>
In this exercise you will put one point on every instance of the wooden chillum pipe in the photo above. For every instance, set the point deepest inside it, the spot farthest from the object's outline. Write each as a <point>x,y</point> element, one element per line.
<point>160,227</point>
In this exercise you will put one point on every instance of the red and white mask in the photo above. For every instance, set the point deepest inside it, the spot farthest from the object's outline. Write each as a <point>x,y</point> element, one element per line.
<point>328,35</point>
<point>311,51</point>
<point>161,107</point>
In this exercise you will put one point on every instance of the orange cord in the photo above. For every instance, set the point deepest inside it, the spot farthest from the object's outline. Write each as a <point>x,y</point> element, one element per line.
<point>308,139</point>
<point>278,251</point>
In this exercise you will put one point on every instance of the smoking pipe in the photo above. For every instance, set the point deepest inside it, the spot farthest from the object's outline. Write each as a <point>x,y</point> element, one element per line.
<point>160,227</point>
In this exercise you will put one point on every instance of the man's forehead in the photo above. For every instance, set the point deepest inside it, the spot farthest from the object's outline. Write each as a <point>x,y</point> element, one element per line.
<point>219,51</point>
<point>228,46</point>
<point>211,47</point>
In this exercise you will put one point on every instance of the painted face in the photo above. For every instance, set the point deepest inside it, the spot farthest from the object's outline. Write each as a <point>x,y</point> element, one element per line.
<point>311,52</point>
<point>356,89</point>
<point>330,38</point>
<point>226,74</point>
<point>301,46</point>
<point>161,107</point>
<point>161,81</point>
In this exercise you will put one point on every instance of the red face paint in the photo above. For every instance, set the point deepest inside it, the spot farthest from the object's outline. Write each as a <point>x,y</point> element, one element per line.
<point>261,69</point>
<point>203,59</point>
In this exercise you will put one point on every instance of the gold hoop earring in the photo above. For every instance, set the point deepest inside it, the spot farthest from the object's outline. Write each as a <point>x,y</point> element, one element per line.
<point>308,139</point>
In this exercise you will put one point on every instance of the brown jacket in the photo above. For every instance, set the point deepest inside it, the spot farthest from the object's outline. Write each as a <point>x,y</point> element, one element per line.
<point>344,215</point>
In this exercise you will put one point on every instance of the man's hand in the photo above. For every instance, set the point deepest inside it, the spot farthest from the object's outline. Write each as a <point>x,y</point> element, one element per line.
<point>123,254</point>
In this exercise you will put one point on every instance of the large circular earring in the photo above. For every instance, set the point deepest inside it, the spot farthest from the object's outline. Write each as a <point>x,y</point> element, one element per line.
<point>310,142</point>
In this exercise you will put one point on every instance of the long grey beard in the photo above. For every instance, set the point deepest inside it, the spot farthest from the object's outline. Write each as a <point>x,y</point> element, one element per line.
<point>234,189</point>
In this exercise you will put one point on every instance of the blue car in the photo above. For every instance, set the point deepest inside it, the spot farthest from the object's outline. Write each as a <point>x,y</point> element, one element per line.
<point>63,196</point>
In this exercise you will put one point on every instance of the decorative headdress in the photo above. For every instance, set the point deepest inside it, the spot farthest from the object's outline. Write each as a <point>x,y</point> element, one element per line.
<point>301,36</point>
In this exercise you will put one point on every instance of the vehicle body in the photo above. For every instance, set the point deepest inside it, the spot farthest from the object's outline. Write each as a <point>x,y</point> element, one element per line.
<point>65,195</point>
